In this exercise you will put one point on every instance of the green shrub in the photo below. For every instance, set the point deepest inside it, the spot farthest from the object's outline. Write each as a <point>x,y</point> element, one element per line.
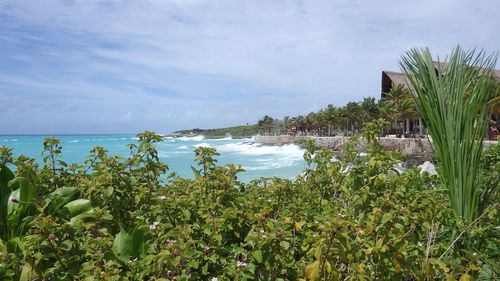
<point>357,219</point>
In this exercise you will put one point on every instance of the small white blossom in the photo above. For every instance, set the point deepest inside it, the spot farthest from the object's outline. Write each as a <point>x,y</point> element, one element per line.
<point>170,241</point>
<point>154,225</point>
<point>215,279</point>
<point>240,264</point>
<point>420,244</point>
<point>474,254</point>
<point>163,197</point>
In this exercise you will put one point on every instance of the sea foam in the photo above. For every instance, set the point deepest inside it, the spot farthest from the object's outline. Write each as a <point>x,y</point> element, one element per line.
<point>196,138</point>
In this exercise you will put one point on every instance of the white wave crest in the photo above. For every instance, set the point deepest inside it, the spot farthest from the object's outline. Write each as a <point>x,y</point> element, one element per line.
<point>252,149</point>
<point>222,139</point>
<point>183,147</point>
<point>73,141</point>
<point>196,138</point>
<point>265,157</point>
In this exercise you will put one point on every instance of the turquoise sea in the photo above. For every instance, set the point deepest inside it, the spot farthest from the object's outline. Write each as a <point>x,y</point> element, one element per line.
<point>258,160</point>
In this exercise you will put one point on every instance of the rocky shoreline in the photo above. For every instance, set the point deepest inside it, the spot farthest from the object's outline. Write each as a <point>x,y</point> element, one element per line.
<point>415,150</point>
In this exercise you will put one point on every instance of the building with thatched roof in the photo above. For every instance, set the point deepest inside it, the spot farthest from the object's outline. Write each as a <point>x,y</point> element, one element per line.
<point>391,78</point>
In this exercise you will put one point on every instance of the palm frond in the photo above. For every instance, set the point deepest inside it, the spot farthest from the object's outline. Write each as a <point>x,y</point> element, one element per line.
<point>452,98</point>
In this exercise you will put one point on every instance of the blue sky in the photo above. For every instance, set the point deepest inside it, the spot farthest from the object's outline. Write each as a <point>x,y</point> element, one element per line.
<point>127,66</point>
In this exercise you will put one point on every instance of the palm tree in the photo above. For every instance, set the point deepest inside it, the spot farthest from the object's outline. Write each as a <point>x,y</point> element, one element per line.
<point>266,124</point>
<point>397,98</point>
<point>301,124</point>
<point>330,117</point>
<point>369,109</point>
<point>352,116</point>
<point>407,111</point>
<point>387,112</point>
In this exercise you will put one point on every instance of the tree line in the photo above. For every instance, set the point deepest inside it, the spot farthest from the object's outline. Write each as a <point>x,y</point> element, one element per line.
<point>396,106</point>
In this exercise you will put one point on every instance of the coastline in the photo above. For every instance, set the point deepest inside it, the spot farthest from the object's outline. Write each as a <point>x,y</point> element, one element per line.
<point>415,150</point>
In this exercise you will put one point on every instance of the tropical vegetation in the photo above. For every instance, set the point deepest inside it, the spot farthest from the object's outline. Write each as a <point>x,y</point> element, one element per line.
<point>452,98</point>
<point>396,106</point>
<point>114,218</point>
<point>236,132</point>
<point>354,218</point>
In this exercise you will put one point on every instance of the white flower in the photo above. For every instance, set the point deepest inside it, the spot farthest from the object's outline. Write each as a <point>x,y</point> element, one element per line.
<point>420,244</point>
<point>215,279</point>
<point>474,254</point>
<point>163,197</point>
<point>170,241</point>
<point>240,264</point>
<point>154,225</point>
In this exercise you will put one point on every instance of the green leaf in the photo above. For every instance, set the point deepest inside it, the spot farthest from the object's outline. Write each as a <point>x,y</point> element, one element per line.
<point>386,217</point>
<point>257,255</point>
<point>312,270</point>
<point>26,273</point>
<point>6,175</point>
<point>122,245</point>
<point>285,245</point>
<point>137,241</point>
<point>66,191</point>
<point>78,206</point>
<point>465,277</point>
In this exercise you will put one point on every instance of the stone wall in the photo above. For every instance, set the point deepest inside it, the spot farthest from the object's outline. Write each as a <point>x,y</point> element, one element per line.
<point>407,146</point>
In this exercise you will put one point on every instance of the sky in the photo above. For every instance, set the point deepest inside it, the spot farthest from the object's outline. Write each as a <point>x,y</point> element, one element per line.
<point>79,67</point>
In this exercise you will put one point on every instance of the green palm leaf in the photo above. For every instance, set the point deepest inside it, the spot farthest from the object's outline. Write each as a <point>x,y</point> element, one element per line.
<point>452,98</point>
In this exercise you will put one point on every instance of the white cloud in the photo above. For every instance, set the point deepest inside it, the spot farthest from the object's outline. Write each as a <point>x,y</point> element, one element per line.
<point>200,58</point>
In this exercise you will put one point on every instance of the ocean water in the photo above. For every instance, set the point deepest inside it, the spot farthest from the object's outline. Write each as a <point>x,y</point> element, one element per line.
<point>258,160</point>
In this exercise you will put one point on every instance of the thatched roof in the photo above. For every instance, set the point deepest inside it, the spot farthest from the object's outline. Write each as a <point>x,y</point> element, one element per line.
<point>389,77</point>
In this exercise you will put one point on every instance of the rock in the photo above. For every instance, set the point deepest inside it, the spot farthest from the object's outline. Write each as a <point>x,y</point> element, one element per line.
<point>428,167</point>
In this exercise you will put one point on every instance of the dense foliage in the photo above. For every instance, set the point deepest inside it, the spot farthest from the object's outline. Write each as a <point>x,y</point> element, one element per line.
<point>235,132</point>
<point>126,219</point>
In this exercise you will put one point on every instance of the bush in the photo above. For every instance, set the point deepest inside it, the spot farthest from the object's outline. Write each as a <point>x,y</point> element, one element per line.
<point>358,218</point>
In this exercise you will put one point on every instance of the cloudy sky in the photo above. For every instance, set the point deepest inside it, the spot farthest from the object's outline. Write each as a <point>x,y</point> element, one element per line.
<point>126,66</point>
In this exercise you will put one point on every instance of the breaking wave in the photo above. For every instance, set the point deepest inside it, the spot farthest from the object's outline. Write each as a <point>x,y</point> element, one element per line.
<point>196,138</point>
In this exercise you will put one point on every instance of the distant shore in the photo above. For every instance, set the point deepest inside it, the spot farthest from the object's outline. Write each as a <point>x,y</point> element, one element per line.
<point>236,132</point>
